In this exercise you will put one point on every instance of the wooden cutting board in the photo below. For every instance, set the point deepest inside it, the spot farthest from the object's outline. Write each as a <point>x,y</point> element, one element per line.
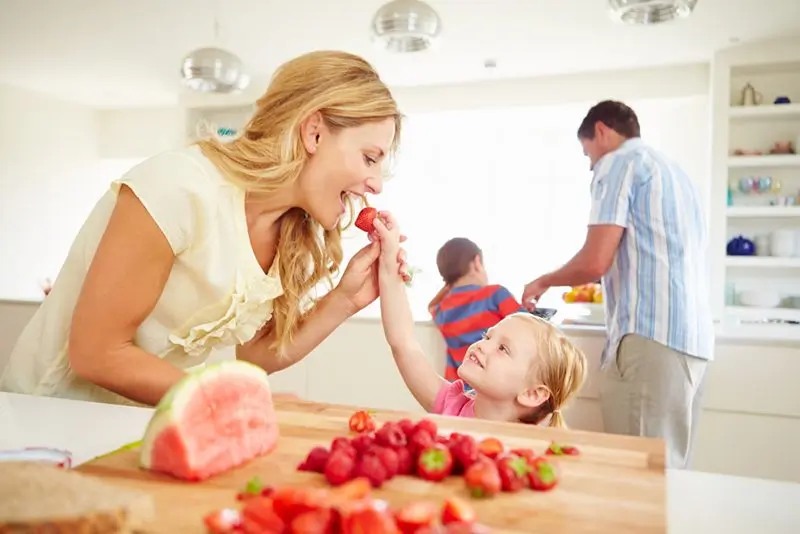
<point>617,485</point>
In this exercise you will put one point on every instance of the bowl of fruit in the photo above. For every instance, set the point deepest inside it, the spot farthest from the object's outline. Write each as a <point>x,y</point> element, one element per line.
<point>585,303</point>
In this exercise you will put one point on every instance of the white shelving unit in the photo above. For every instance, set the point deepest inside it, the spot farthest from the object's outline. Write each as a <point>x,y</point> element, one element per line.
<point>222,121</point>
<point>773,69</point>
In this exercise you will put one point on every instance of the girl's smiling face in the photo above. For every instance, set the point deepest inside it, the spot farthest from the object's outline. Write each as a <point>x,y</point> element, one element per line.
<point>499,365</point>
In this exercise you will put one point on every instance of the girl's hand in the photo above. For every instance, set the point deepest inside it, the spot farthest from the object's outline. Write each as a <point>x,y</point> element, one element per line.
<point>393,257</point>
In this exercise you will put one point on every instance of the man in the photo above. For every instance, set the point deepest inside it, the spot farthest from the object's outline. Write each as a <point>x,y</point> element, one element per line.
<point>647,240</point>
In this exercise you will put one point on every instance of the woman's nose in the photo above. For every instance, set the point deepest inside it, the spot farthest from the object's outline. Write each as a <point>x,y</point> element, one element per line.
<point>374,185</point>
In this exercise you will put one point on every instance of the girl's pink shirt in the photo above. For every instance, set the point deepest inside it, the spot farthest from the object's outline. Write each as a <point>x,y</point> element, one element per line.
<point>451,400</point>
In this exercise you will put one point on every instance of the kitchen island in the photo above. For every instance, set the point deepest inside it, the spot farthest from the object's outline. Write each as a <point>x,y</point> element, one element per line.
<point>696,502</point>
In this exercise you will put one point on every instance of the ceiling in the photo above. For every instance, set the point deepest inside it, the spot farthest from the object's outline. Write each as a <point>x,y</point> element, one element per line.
<point>120,53</point>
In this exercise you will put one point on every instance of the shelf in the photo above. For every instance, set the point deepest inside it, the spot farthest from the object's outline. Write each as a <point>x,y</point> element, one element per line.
<point>747,312</point>
<point>782,160</point>
<point>763,212</point>
<point>762,262</point>
<point>767,111</point>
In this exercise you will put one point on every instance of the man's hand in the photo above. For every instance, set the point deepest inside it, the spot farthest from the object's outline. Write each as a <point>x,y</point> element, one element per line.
<point>533,292</point>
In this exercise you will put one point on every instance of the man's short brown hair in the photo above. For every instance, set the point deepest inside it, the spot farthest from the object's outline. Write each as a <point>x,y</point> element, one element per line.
<point>615,115</point>
<point>454,258</point>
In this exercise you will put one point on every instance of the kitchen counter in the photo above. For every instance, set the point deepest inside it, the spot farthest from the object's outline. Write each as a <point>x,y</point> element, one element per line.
<point>697,502</point>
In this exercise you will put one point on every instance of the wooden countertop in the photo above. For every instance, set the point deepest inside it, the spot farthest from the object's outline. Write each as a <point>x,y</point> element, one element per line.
<point>617,485</point>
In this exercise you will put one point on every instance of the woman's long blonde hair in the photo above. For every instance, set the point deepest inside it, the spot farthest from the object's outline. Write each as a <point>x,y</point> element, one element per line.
<point>561,367</point>
<point>269,155</point>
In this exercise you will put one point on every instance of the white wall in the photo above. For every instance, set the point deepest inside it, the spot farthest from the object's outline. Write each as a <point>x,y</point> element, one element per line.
<point>46,147</point>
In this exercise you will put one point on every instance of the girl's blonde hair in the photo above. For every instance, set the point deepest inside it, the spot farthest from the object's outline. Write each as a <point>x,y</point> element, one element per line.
<point>269,155</point>
<point>560,367</point>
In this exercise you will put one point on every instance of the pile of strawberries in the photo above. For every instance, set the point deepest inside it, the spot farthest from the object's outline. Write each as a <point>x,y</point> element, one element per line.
<point>346,509</point>
<point>416,449</point>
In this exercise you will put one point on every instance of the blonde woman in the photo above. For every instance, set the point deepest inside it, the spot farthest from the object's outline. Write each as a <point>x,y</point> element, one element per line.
<point>220,245</point>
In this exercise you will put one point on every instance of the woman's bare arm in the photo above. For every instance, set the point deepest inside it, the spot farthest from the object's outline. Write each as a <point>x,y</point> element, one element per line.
<point>124,282</point>
<point>328,314</point>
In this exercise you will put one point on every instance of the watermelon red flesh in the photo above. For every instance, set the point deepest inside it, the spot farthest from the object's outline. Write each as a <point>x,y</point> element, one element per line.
<point>228,419</point>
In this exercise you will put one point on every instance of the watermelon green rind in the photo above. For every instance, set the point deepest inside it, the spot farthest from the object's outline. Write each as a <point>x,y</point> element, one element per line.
<point>171,406</point>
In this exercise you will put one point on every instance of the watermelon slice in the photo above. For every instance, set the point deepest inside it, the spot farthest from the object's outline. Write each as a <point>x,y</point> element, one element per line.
<point>212,420</point>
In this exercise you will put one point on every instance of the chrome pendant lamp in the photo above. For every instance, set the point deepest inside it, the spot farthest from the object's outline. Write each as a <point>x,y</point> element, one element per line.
<point>650,12</point>
<point>213,70</point>
<point>406,26</point>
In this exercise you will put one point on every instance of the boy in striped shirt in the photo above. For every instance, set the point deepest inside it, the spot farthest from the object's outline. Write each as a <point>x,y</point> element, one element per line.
<point>467,305</point>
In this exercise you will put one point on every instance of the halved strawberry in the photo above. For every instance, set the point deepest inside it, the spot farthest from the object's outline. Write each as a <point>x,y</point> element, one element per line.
<point>366,517</point>
<point>362,421</point>
<point>223,521</point>
<point>366,219</point>
<point>315,522</point>
<point>289,502</point>
<point>258,515</point>
<point>556,449</point>
<point>490,447</point>
<point>457,510</point>
<point>415,516</point>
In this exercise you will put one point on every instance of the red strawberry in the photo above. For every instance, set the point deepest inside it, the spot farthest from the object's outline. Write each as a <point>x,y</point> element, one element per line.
<point>407,426</point>
<point>362,421</point>
<point>223,521</point>
<point>290,502</point>
<point>391,435</point>
<point>557,449</point>
<point>419,441</point>
<point>464,450</point>
<point>260,516</point>
<point>528,454</point>
<point>513,472</point>
<point>315,461</point>
<point>388,458</point>
<point>490,447</point>
<point>371,467</point>
<point>543,475</point>
<point>456,510</point>
<point>415,516</point>
<point>340,467</point>
<point>483,479</point>
<point>344,445</point>
<point>428,426</point>
<point>366,219</point>
<point>405,462</point>
<point>466,528</point>
<point>435,463</point>
<point>313,522</point>
<point>363,442</point>
<point>365,517</point>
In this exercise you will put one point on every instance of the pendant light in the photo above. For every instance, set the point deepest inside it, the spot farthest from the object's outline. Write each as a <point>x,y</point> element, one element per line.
<point>406,26</point>
<point>213,69</point>
<point>650,12</point>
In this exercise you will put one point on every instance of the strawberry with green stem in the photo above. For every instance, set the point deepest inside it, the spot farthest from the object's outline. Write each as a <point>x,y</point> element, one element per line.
<point>435,463</point>
<point>513,471</point>
<point>557,449</point>
<point>543,475</point>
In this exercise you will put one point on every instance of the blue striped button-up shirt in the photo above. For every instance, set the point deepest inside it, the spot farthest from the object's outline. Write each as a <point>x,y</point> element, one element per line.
<point>657,286</point>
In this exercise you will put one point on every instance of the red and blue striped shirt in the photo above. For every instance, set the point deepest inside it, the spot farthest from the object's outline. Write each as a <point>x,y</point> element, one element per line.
<point>464,315</point>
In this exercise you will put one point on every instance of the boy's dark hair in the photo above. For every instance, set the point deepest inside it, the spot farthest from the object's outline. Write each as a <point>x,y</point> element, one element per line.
<point>616,115</point>
<point>454,257</point>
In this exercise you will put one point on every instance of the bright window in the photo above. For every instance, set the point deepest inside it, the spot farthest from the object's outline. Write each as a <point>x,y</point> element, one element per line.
<point>515,181</point>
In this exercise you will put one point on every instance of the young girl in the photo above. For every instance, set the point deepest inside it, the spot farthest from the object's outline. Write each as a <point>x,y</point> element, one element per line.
<point>523,370</point>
